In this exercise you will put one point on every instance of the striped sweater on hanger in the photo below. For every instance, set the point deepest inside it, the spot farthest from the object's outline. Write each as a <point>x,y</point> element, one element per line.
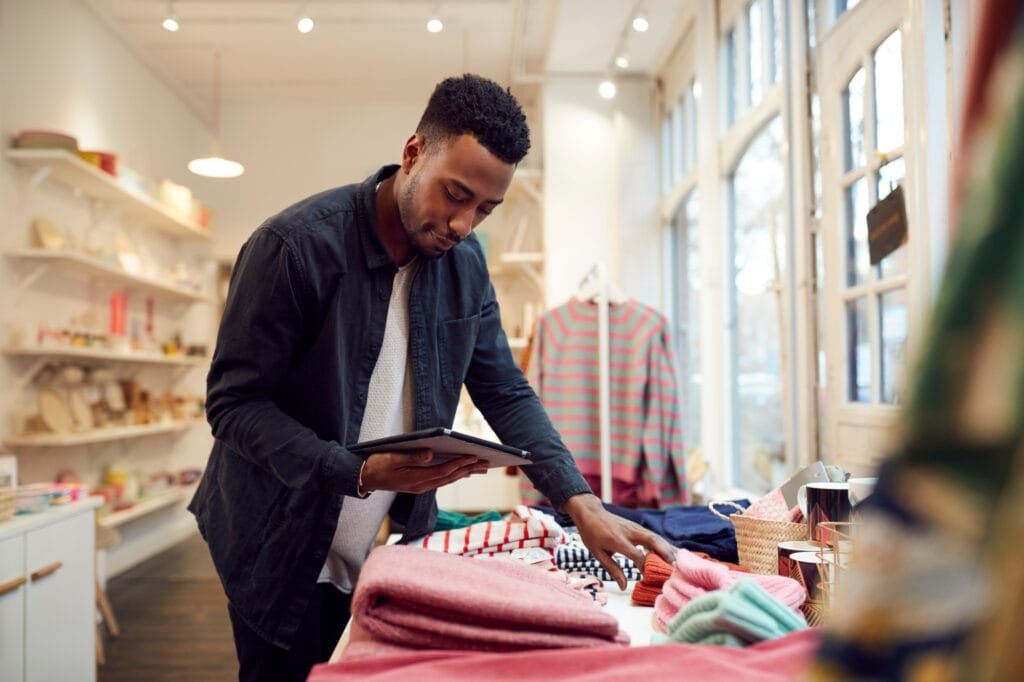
<point>647,455</point>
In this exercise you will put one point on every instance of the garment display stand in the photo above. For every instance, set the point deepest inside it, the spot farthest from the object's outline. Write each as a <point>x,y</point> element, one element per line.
<point>595,287</point>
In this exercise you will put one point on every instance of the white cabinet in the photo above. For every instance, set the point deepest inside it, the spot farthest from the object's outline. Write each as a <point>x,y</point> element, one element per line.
<point>47,615</point>
<point>12,608</point>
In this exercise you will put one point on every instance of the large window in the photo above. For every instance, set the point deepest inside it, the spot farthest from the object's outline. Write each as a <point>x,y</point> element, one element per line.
<point>686,283</point>
<point>803,340</point>
<point>874,295</point>
<point>758,247</point>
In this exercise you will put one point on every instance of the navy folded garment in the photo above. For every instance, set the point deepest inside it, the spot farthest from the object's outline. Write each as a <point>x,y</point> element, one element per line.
<point>692,527</point>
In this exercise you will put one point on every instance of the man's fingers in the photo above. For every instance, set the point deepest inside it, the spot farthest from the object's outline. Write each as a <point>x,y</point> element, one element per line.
<point>614,570</point>
<point>654,543</point>
<point>446,475</point>
<point>635,555</point>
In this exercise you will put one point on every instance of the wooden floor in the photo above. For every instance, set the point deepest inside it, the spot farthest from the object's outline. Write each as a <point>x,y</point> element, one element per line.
<point>174,621</point>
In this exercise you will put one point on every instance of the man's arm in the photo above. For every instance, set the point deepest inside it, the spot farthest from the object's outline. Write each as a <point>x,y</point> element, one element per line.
<point>259,335</point>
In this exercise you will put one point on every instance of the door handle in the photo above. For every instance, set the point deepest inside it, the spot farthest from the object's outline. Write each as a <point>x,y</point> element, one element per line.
<point>11,585</point>
<point>46,570</point>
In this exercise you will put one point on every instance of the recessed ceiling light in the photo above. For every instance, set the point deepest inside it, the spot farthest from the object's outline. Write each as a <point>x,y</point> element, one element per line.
<point>435,25</point>
<point>622,61</point>
<point>304,24</point>
<point>170,24</point>
<point>640,23</point>
<point>606,89</point>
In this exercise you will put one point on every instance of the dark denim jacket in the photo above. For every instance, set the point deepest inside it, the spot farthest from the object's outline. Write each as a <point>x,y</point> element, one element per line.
<point>301,333</point>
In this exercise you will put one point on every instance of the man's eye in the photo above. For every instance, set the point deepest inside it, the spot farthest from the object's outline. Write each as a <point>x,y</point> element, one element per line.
<point>452,197</point>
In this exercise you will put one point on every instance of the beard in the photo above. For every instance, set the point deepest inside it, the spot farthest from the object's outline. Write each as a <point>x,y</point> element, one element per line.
<point>421,238</point>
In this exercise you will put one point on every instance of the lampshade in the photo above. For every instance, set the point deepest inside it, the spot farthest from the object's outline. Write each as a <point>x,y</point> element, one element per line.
<point>215,165</point>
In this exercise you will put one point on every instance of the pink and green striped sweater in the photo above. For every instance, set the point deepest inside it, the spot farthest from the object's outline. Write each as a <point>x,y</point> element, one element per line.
<point>648,466</point>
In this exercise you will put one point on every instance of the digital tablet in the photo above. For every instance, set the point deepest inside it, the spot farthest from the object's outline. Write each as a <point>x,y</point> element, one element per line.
<point>446,444</point>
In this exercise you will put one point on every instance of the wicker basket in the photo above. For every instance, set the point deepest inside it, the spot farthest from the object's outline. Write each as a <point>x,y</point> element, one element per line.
<point>7,504</point>
<point>757,540</point>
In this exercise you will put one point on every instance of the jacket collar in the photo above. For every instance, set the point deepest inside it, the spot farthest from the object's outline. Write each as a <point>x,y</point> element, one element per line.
<point>373,249</point>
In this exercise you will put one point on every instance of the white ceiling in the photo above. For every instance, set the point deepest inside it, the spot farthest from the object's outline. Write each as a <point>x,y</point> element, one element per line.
<point>381,47</point>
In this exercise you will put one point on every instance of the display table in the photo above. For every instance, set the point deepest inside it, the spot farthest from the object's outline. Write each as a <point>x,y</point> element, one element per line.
<point>633,620</point>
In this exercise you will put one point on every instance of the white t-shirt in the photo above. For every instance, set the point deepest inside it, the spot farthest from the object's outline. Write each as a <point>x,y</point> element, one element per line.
<point>388,413</point>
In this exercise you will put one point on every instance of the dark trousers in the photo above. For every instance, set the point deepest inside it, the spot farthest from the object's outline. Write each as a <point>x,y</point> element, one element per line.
<point>318,635</point>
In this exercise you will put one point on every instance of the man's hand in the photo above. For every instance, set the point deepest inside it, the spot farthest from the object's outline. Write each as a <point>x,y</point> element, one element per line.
<point>605,534</point>
<point>413,472</point>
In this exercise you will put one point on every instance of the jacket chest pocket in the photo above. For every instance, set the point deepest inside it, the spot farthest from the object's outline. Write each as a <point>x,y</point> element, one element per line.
<point>455,342</point>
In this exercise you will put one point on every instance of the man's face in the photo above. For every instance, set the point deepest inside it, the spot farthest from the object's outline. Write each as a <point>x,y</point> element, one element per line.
<point>451,187</point>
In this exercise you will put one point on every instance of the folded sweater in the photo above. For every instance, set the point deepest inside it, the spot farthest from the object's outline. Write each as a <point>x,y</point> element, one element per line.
<point>416,599</point>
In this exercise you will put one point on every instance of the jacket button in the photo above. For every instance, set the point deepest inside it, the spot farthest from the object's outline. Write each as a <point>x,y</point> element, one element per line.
<point>318,554</point>
<point>381,294</point>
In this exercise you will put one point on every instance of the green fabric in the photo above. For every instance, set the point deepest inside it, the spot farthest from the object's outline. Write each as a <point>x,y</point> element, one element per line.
<point>745,613</point>
<point>448,520</point>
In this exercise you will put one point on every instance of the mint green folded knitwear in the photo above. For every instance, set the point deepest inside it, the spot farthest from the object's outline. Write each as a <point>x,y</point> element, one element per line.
<point>449,520</point>
<point>745,611</point>
<point>715,639</point>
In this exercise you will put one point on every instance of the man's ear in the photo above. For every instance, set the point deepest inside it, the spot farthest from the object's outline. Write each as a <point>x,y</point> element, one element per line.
<point>412,152</point>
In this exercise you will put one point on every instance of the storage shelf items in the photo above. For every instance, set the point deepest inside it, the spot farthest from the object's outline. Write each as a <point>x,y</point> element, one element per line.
<point>80,265</point>
<point>147,506</point>
<point>99,435</point>
<point>72,172</point>
<point>108,355</point>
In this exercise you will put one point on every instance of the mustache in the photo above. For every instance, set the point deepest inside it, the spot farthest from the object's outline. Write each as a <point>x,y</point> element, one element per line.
<point>448,234</point>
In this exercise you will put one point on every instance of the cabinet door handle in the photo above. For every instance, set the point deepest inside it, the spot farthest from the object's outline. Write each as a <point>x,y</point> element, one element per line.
<point>11,585</point>
<point>46,570</point>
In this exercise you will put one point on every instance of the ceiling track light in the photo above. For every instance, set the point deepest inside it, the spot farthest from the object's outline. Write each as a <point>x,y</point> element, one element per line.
<point>170,22</point>
<point>622,60</point>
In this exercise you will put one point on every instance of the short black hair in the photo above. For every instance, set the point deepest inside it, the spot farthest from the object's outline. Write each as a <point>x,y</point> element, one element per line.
<point>478,106</point>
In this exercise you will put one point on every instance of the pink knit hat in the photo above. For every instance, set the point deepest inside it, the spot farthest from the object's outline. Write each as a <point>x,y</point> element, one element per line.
<point>693,576</point>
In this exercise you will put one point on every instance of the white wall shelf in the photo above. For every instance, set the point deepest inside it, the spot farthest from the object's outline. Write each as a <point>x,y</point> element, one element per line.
<point>72,172</point>
<point>108,355</point>
<point>99,435</point>
<point>147,506</point>
<point>85,266</point>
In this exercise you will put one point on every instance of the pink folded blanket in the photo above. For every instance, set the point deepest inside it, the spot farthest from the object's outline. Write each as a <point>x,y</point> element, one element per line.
<point>778,660</point>
<point>693,576</point>
<point>418,599</point>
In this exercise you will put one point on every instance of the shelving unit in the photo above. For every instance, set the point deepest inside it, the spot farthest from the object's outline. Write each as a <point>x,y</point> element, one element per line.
<point>58,440</point>
<point>72,172</point>
<point>75,353</point>
<point>147,506</point>
<point>83,266</point>
<point>39,278</point>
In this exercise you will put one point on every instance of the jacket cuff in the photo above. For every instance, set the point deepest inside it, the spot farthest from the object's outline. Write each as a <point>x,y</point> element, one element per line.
<point>340,471</point>
<point>560,484</point>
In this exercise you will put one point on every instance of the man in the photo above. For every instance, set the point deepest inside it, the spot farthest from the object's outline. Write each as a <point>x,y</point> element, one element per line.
<point>359,313</point>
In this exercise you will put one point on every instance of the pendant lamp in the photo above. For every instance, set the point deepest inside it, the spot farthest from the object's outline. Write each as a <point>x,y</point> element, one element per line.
<point>215,165</point>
